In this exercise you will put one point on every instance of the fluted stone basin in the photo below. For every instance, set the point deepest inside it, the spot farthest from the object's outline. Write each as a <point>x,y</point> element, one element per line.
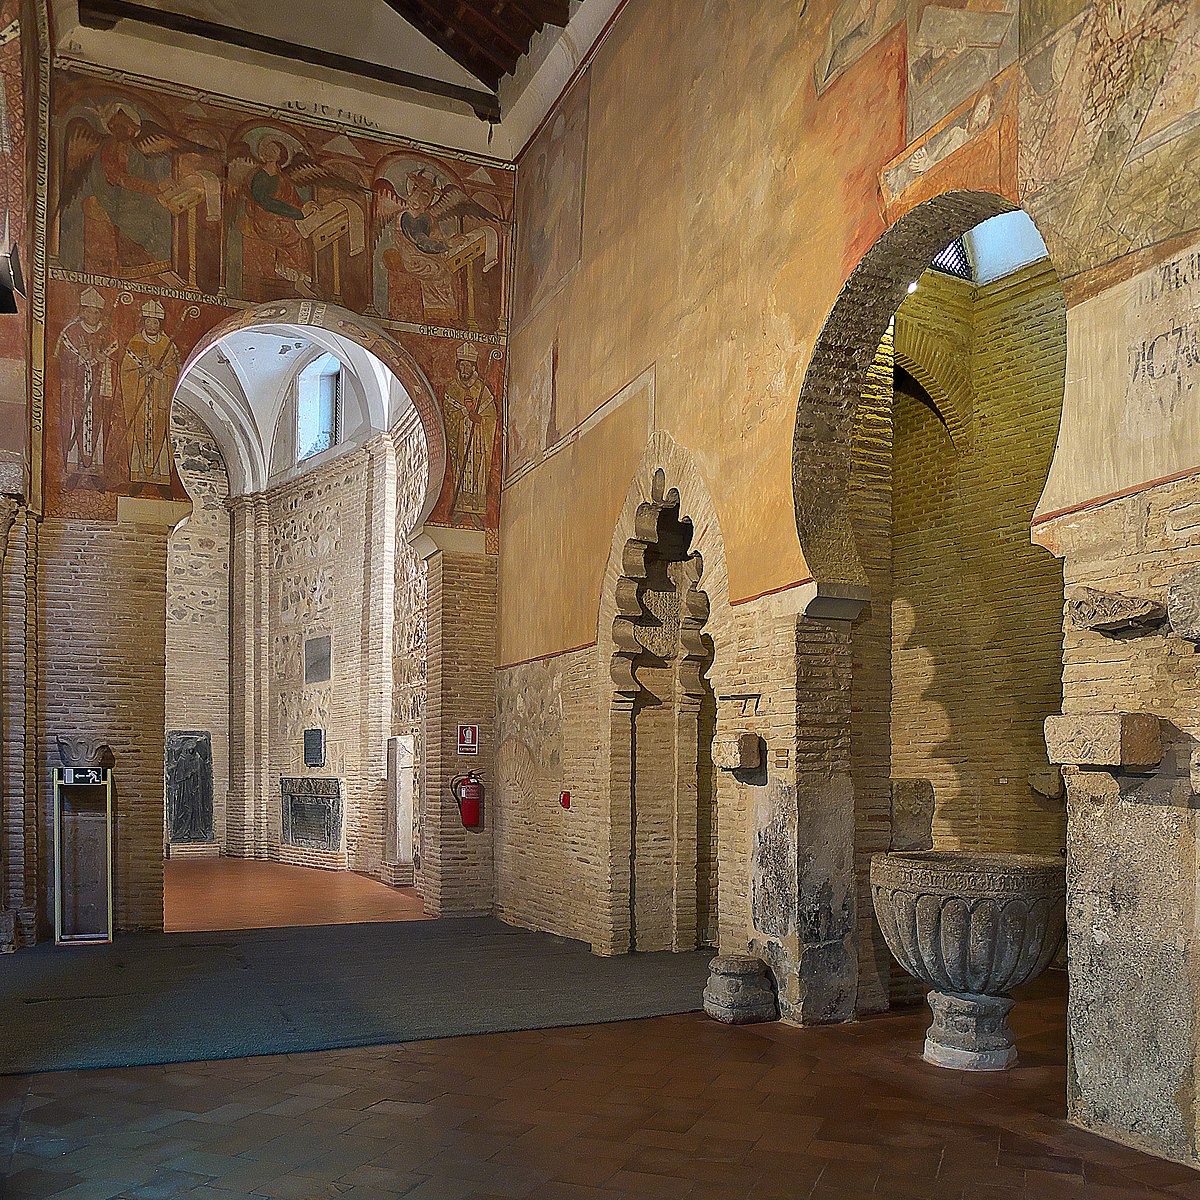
<point>973,927</point>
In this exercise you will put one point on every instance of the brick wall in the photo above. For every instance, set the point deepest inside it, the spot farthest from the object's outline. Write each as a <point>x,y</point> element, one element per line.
<point>977,609</point>
<point>101,595</point>
<point>198,597</point>
<point>456,875</point>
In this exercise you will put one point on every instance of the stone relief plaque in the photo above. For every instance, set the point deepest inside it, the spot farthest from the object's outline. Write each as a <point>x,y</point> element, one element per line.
<point>318,659</point>
<point>189,786</point>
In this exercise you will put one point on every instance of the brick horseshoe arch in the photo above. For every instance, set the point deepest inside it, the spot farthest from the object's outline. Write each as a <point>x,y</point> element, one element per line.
<point>837,374</point>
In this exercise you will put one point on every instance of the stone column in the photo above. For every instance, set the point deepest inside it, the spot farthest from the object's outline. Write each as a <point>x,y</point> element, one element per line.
<point>375,676</point>
<point>249,679</point>
<point>803,884</point>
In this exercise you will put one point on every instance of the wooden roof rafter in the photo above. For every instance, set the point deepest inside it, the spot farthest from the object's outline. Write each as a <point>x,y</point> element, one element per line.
<point>486,37</point>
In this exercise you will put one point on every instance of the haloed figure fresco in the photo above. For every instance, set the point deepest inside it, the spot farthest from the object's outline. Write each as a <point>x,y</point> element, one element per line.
<point>149,372</point>
<point>87,386</point>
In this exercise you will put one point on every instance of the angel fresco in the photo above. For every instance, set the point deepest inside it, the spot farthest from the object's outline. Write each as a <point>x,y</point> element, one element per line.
<point>285,209</point>
<point>126,207</point>
<point>428,229</point>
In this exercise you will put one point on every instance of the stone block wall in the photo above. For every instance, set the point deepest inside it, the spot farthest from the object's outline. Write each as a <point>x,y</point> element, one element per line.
<point>1133,921</point>
<point>198,597</point>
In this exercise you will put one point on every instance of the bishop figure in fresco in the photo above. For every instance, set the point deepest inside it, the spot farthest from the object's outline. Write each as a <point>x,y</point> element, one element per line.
<point>472,420</point>
<point>149,372</point>
<point>86,376</point>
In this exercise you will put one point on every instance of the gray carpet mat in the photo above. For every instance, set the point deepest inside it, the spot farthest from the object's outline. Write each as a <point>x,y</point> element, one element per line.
<point>159,998</point>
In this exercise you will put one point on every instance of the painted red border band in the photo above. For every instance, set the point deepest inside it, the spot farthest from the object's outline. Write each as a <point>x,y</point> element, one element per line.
<point>542,657</point>
<point>785,587</point>
<point>1096,501</point>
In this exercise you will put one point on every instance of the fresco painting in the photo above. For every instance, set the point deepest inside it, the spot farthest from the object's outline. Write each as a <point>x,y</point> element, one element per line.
<point>854,27</point>
<point>1109,155</point>
<point>14,331</point>
<point>111,371</point>
<point>974,146</point>
<point>164,218</point>
<point>437,242</point>
<point>550,202</point>
<point>954,50</point>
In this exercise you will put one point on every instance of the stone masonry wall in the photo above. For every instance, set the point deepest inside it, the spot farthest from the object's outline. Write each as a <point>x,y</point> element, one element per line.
<point>198,602</point>
<point>1134,925</point>
<point>410,627</point>
<point>317,542</point>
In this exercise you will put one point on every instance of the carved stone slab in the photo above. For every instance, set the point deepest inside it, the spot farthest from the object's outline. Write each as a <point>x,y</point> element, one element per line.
<point>1183,605</point>
<point>1107,612</point>
<point>912,814</point>
<point>737,751</point>
<point>1104,739</point>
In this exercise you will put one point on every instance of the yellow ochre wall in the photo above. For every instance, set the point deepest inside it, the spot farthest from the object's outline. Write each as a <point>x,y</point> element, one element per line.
<point>721,215</point>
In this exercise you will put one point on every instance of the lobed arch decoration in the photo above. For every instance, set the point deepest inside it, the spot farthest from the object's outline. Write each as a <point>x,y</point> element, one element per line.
<point>835,379</point>
<point>667,492</point>
<point>317,317</point>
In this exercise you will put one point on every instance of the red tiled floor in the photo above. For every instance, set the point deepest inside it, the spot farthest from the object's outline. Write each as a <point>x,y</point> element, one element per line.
<point>236,893</point>
<point>678,1108</point>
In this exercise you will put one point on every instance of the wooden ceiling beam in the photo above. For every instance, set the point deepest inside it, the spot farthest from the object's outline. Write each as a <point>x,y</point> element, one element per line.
<point>104,14</point>
<point>481,16</point>
<point>446,32</point>
<point>543,12</point>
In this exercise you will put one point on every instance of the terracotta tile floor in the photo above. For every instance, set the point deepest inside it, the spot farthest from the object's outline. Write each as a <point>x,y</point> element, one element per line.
<point>676,1108</point>
<point>235,893</point>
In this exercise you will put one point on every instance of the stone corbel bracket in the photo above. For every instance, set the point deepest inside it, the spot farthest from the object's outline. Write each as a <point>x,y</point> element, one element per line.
<point>737,751</point>
<point>1113,614</point>
<point>1106,740</point>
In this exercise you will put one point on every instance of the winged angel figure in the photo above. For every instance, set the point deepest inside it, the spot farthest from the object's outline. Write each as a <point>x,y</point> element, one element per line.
<point>118,195</point>
<point>437,231</point>
<point>272,192</point>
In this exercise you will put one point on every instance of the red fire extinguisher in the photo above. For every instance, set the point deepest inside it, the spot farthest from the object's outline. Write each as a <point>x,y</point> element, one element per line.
<point>467,791</point>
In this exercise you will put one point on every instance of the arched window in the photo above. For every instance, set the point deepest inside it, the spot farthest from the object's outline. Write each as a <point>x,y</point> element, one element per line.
<point>318,406</point>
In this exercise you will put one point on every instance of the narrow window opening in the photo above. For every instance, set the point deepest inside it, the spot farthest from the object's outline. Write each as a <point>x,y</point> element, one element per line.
<point>318,406</point>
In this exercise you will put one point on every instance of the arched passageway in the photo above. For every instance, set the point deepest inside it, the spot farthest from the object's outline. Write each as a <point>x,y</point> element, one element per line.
<point>925,429</point>
<point>296,618</point>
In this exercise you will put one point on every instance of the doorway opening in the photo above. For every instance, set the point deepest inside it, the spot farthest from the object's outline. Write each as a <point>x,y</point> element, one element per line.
<point>295,637</point>
<point>666,708</point>
<point>919,470</point>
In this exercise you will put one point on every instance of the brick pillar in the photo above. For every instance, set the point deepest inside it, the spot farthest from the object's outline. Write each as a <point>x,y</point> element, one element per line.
<point>12,722</point>
<point>367,852</point>
<point>456,871</point>
<point>101,594</point>
<point>687,729</point>
<point>249,680</point>
<point>616,930</point>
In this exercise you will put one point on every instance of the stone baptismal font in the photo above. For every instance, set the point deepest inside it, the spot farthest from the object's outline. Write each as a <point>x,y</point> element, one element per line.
<point>973,927</point>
